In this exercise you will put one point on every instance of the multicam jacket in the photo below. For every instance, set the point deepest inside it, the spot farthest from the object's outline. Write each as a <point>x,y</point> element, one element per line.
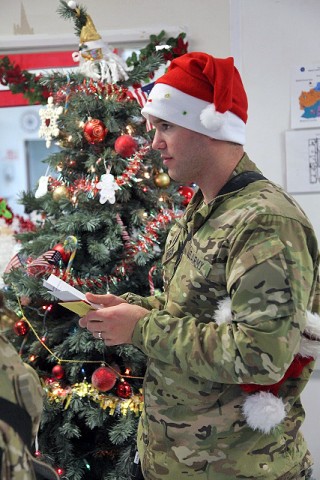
<point>257,247</point>
<point>20,389</point>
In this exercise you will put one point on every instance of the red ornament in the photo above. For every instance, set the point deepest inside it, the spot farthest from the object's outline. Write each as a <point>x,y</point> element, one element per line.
<point>94,131</point>
<point>124,390</point>
<point>187,193</point>
<point>21,328</point>
<point>64,255</point>
<point>58,372</point>
<point>125,146</point>
<point>103,379</point>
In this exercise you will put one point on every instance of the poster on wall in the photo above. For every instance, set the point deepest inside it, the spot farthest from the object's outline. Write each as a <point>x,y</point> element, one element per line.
<point>303,161</point>
<point>305,96</point>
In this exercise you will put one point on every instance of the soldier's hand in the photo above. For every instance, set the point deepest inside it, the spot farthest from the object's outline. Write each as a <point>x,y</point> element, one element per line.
<point>115,321</point>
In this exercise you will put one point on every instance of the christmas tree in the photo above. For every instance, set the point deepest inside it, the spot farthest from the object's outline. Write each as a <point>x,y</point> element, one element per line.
<point>101,213</point>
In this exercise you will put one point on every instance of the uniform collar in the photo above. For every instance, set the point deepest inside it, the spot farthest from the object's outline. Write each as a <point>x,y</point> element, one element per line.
<point>198,211</point>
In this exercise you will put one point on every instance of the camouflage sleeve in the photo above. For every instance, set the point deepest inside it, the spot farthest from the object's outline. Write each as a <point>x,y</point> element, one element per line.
<point>269,279</point>
<point>15,458</point>
<point>154,301</point>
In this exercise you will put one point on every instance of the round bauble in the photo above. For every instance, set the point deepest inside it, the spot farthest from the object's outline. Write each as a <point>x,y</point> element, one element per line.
<point>125,146</point>
<point>58,372</point>
<point>64,255</point>
<point>187,193</point>
<point>60,192</point>
<point>124,390</point>
<point>103,379</point>
<point>94,131</point>
<point>21,328</point>
<point>162,180</point>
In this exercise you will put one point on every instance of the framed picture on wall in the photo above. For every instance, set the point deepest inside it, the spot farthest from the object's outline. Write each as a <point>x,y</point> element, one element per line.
<point>305,96</point>
<point>303,161</point>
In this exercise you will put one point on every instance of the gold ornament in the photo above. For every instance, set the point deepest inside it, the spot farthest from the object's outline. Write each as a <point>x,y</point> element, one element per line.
<point>162,180</point>
<point>60,192</point>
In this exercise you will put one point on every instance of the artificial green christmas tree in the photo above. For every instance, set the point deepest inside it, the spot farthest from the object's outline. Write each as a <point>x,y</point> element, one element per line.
<point>103,209</point>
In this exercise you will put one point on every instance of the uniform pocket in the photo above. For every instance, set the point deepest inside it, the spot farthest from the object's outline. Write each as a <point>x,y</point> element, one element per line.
<point>258,254</point>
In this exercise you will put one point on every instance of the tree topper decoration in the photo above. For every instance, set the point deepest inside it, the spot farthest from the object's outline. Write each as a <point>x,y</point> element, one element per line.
<point>49,116</point>
<point>97,60</point>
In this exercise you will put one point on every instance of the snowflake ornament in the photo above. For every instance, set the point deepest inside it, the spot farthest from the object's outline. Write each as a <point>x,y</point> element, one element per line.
<point>49,116</point>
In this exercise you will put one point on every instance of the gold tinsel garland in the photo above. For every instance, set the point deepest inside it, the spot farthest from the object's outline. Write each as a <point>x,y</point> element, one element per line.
<point>57,394</point>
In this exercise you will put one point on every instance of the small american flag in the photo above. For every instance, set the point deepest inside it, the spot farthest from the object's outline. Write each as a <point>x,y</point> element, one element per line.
<point>43,263</point>
<point>16,261</point>
<point>141,97</point>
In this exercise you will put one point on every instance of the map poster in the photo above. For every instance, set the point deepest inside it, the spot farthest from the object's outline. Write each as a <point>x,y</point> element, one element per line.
<point>303,161</point>
<point>305,96</point>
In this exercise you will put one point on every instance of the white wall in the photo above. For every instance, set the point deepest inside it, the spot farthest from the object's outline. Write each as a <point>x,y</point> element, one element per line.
<point>311,426</point>
<point>276,35</point>
<point>207,21</point>
<point>269,38</point>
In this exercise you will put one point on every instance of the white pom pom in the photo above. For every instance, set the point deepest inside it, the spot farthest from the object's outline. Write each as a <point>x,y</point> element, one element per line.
<point>210,118</point>
<point>223,314</point>
<point>310,340</point>
<point>263,411</point>
<point>72,5</point>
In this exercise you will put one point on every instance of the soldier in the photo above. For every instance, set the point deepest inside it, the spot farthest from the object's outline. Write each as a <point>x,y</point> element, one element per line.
<point>21,401</point>
<point>241,297</point>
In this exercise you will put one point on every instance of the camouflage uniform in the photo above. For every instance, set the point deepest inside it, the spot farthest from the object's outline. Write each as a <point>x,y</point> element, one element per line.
<point>21,396</point>
<point>257,247</point>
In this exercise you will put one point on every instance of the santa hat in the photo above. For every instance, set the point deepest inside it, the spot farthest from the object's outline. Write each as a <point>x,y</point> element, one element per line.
<point>263,408</point>
<point>202,93</point>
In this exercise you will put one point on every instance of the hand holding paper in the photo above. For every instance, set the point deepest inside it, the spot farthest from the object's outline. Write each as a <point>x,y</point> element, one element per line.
<point>73,299</point>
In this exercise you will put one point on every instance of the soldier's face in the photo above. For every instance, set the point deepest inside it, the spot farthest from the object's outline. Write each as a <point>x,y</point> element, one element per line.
<point>183,151</point>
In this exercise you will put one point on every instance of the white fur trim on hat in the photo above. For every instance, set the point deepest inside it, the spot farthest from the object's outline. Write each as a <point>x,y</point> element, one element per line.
<point>210,118</point>
<point>310,340</point>
<point>170,104</point>
<point>223,314</point>
<point>263,411</point>
<point>93,45</point>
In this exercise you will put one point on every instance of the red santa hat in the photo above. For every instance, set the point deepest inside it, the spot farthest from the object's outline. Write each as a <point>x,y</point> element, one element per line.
<point>202,93</point>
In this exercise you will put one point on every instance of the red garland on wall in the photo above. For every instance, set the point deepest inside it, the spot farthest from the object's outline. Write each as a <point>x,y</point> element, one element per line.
<point>20,75</point>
